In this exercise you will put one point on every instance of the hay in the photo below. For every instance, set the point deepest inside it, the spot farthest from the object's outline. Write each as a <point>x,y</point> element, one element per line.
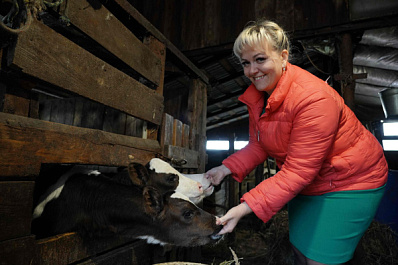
<point>257,243</point>
<point>380,245</point>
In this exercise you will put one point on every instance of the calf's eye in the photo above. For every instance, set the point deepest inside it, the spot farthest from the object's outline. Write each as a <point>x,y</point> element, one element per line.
<point>172,178</point>
<point>188,214</point>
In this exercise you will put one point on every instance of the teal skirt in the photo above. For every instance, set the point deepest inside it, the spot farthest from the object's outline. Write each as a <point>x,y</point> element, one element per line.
<point>327,228</point>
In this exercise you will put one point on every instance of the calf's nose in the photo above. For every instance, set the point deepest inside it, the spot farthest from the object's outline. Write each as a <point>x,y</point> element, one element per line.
<point>200,187</point>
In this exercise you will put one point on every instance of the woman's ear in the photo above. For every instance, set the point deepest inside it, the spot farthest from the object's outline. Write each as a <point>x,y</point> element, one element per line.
<point>285,57</point>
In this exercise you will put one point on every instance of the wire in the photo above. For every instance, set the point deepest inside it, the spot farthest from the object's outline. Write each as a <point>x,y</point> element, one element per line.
<point>306,53</point>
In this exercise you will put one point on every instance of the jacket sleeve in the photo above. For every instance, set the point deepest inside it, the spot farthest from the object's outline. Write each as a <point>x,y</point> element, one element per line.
<point>315,124</point>
<point>245,160</point>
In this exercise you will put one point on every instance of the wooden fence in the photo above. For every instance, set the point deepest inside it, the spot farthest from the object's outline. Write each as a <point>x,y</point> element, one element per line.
<point>84,84</point>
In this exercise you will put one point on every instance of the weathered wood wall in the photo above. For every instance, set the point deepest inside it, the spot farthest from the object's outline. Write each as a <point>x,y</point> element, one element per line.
<point>87,92</point>
<point>208,23</point>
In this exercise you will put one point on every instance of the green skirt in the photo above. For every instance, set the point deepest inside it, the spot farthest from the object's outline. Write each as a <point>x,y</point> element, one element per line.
<point>327,228</point>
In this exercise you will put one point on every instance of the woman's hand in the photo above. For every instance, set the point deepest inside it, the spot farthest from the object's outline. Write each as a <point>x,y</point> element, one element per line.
<point>232,217</point>
<point>217,174</point>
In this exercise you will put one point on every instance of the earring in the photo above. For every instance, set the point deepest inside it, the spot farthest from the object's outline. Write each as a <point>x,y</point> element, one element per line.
<point>283,69</point>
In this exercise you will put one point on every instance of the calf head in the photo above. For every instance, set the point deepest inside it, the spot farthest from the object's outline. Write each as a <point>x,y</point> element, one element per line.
<point>177,221</point>
<point>188,187</point>
<point>142,176</point>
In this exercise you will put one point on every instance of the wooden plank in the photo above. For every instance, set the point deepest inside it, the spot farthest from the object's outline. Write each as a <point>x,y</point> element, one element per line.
<point>45,107</point>
<point>16,105</point>
<point>62,110</point>
<point>92,115</point>
<point>167,130</point>
<point>16,199</point>
<point>26,143</point>
<point>182,60</point>
<point>34,106</point>
<point>3,89</point>
<point>69,248</point>
<point>159,49</point>
<point>17,251</point>
<point>73,68</point>
<point>134,126</point>
<point>114,121</point>
<point>132,254</point>
<point>177,133</point>
<point>78,115</point>
<point>185,136</point>
<point>180,153</point>
<point>102,26</point>
<point>192,139</point>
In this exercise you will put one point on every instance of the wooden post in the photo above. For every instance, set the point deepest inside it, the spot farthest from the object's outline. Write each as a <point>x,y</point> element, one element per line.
<point>346,69</point>
<point>231,187</point>
<point>259,174</point>
<point>231,181</point>
<point>197,108</point>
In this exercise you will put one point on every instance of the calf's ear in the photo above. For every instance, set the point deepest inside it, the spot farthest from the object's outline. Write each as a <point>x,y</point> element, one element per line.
<point>138,174</point>
<point>153,201</point>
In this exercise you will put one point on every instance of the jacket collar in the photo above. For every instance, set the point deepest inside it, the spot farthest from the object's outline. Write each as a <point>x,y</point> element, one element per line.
<point>254,99</point>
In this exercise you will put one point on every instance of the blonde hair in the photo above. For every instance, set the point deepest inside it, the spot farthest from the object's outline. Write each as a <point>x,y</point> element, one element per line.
<point>261,34</point>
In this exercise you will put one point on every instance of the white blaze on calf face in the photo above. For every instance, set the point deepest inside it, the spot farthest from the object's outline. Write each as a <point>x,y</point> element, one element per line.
<point>208,188</point>
<point>188,187</point>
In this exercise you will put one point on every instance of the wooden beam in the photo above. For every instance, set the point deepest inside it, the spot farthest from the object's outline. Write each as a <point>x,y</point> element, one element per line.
<point>179,57</point>
<point>346,68</point>
<point>69,248</point>
<point>178,153</point>
<point>69,66</point>
<point>16,199</point>
<point>26,143</point>
<point>103,27</point>
<point>226,97</point>
<point>18,251</point>
<point>236,107</point>
<point>221,122</point>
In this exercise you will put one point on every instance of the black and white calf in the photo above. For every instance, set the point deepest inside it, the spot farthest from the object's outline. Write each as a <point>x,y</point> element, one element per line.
<point>188,183</point>
<point>94,204</point>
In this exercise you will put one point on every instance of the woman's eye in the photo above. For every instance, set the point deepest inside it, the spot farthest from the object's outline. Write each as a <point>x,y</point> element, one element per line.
<point>244,64</point>
<point>260,60</point>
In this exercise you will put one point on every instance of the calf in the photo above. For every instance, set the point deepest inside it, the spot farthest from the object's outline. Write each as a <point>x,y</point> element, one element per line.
<point>189,185</point>
<point>96,205</point>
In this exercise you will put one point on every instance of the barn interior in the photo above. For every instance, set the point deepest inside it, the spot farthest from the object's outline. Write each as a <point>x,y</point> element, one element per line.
<point>104,83</point>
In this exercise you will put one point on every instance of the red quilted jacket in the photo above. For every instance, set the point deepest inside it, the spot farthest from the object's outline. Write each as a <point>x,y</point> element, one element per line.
<point>318,144</point>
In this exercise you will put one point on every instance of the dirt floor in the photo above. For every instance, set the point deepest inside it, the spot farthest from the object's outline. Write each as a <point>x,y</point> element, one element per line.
<point>255,243</point>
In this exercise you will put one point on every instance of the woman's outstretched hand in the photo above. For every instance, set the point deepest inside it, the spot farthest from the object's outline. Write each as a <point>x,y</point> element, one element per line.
<point>232,217</point>
<point>217,174</point>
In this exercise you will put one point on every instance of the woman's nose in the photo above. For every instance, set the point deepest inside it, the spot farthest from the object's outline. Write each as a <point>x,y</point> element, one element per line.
<point>252,69</point>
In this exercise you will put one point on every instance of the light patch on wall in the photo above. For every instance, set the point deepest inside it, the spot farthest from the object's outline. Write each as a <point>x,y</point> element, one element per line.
<point>224,145</point>
<point>390,145</point>
<point>390,128</point>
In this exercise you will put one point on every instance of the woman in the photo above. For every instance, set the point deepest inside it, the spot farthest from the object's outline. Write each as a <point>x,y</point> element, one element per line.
<point>332,170</point>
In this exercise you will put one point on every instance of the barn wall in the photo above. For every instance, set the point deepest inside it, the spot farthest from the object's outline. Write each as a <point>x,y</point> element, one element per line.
<point>192,25</point>
<point>196,24</point>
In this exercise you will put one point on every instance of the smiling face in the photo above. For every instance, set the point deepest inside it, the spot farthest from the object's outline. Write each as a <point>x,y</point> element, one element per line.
<point>263,66</point>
